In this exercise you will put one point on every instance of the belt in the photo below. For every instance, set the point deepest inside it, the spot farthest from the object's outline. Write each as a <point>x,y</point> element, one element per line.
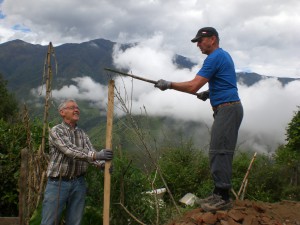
<point>65,178</point>
<point>225,104</point>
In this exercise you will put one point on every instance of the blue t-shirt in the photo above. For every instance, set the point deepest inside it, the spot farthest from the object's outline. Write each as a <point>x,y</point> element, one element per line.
<point>218,68</point>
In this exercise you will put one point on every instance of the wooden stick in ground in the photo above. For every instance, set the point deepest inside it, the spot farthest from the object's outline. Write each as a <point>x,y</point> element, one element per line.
<point>244,189</point>
<point>47,97</point>
<point>234,193</point>
<point>110,112</point>
<point>23,187</point>
<point>246,175</point>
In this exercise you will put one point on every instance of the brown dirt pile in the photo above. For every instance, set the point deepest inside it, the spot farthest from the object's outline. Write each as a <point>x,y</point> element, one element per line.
<point>247,213</point>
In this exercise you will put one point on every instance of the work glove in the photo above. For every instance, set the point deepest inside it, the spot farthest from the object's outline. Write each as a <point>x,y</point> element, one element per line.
<point>204,95</point>
<point>163,84</point>
<point>104,154</point>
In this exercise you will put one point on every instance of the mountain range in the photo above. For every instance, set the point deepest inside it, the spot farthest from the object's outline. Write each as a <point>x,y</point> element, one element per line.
<point>22,64</point>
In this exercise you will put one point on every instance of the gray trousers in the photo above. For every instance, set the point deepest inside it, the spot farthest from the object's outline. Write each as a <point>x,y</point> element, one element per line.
<point>224,134</point>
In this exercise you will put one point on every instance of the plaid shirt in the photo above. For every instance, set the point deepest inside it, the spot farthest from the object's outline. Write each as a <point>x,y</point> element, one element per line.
<point>70,151</point>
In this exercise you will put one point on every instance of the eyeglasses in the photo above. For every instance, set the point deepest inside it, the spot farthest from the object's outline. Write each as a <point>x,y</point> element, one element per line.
<point>72,107</point>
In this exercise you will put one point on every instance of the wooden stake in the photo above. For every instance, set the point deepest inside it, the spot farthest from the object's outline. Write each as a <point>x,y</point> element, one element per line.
<point>244,189</point>
<point>110,111</point>
<point>23,187</point>
<point>246,176</point>
<point>48,95</point>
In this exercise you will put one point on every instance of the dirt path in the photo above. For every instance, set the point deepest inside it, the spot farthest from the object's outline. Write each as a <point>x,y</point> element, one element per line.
<point>246,213</point>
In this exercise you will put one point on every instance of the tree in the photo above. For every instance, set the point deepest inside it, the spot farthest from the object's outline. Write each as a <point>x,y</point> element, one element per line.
<point>293,133</point>
<point>9,105</point>
<point>288,156</point>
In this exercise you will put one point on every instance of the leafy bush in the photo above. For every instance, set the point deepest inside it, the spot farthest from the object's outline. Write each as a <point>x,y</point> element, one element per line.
<point>9,104</point>
<point>240,165</point>
<point>128,186</point>
<point>12,139</point>
<point>185,170</point>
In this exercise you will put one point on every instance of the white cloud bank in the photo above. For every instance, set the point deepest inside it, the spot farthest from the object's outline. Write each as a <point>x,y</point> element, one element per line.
<point>268,106</point>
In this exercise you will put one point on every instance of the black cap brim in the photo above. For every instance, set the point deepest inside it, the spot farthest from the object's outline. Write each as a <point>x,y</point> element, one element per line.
<point>195,39</point>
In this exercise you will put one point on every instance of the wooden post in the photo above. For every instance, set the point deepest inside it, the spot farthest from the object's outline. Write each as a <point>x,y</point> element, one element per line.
<point>23,187</point>
<point>110,112</point>
<point>47,97</point>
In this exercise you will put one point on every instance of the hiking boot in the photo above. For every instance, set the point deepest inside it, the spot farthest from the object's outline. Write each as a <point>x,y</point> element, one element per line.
<point>217,205</point>
<point>210,199</point>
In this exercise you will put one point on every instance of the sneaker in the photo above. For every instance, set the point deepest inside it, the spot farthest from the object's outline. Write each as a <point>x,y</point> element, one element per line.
<point>210,199</point>
<point>217,205</point>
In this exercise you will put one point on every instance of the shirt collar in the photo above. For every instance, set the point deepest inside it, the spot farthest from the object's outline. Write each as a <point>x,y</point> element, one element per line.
<point>69,126</point>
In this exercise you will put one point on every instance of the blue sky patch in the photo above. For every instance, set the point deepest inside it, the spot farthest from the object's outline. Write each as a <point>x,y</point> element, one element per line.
<point>2,16</point>
<point>22,28</point>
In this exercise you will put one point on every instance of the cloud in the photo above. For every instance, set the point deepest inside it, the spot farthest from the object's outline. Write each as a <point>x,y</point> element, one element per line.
<point>268,106</point>
<point>260,39</point>
<point>85,89</point>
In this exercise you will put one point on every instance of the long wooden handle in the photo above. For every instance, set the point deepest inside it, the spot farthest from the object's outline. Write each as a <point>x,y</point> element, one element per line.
<point>139,78</point>
<point>131,75</point>
<point>109,125</point>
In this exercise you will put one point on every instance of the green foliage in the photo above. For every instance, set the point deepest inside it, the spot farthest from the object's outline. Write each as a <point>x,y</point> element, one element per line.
<point>36,218</point>
<point>9,105</point>
<point>264,182</point>
<point>36,128</point>
<point>11,142</point>
<point>288,156</point>
<point>128,186</point>
<point>293,133</point>
<point>185,170</point>
<point>240,165</point>
<point>288,162</point>
<point>291,193</point>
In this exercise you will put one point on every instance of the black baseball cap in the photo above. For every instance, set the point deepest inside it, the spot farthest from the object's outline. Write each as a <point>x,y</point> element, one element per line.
<point>205,32</point>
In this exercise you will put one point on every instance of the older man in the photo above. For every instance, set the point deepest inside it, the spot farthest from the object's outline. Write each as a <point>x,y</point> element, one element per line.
<point>70,153</point>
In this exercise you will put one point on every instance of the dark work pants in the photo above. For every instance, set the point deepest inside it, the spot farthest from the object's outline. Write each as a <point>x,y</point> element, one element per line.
<point>224,134</point>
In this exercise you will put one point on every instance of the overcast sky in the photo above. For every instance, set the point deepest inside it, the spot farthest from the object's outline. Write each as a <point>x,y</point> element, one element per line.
<point>261,36</point>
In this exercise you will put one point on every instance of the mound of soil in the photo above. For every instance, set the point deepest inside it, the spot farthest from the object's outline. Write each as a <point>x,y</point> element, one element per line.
<point>247,213</point>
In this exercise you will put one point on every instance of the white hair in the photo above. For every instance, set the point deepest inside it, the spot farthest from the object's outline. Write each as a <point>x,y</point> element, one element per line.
<point>63,104</point>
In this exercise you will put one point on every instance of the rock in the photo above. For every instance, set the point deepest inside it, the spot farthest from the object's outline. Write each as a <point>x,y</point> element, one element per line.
<point>236,215</point>
<point>248,220</point>
<point>209,218</point>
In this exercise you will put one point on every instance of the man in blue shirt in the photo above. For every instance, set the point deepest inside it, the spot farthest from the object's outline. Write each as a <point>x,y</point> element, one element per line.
<point>218,70</point>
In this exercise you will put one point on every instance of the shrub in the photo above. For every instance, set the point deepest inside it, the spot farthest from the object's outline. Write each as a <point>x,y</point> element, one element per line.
<point>185,170</point>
